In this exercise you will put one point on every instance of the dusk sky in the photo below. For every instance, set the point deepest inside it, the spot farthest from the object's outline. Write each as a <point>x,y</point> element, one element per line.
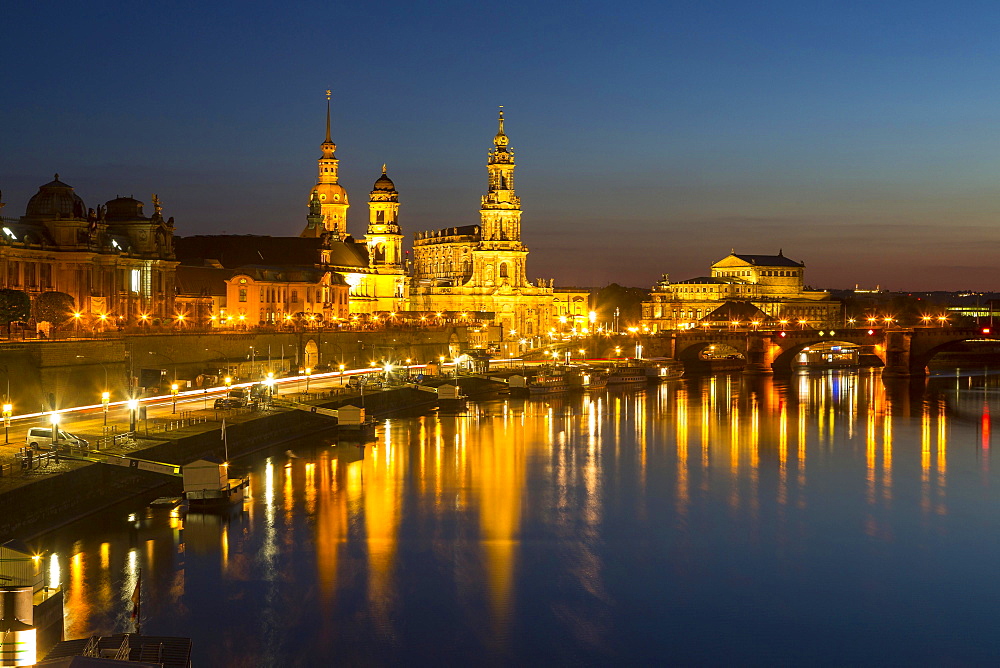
<point>862,138</point>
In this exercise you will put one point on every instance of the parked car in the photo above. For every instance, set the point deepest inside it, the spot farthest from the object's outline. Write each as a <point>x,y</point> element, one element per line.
<point>40,438</point>
<point>233,399</point>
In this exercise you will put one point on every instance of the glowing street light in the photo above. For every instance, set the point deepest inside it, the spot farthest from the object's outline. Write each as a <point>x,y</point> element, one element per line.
<point>173,392</point>
<point>54,419</point>
<point>105,398</point>
<point>342,367</point>
<point>8,410</point>
<point>228,381</point>
<point>133,407</point>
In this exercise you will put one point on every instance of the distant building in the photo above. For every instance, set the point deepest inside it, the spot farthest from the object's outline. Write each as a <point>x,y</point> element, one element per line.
<point>770,287</point>
<point>482,267</point>
<point>113,260</point>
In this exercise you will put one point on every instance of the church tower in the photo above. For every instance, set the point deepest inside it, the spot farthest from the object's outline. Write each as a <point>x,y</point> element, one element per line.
<point>500,258</point>
<point>384,239</point>
<point>331,195</point>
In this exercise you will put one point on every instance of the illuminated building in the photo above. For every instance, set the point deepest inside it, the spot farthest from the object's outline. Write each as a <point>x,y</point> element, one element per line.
<point>112,260</point>
<point>269,294</point>
<point>482,267</point>
<point>263,279</point>
<point>328,194</point>
<point>379,284</point>
<point>772,285</point>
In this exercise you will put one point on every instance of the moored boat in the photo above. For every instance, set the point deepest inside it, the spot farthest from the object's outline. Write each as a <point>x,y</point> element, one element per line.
<point>662,369</point>
<point>548,382</point>
<point>207,485</point>
<point>626,374</point>
<point>587,379</point>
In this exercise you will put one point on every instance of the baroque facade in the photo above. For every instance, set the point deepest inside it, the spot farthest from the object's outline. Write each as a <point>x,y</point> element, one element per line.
<point>483,267</point>
<point>773,284</point>
<point>115,262</point>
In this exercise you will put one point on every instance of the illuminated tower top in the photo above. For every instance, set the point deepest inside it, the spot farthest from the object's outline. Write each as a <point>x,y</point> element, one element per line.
<point>332,196</point>
<point>501,209</point>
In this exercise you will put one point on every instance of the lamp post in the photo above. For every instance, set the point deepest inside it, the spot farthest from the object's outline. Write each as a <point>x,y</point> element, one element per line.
<point>342,367</point>
<point>54,421</point>
<point>173,393</point>
<point>133,407</point>
<point>309,373</point>
<point>105,398</point>
<point>170,359</point>
<point>8,410</point>
<point>269,384</point>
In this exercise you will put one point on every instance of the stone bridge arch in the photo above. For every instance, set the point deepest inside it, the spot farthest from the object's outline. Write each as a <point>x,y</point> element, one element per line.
<point>926,343</point>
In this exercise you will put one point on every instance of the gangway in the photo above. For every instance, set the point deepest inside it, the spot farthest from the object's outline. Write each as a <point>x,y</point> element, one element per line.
<point>282,402</point>
<point>124,461</point>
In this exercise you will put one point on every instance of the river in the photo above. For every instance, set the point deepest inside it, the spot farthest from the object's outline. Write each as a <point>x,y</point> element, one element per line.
<point>822,519</point>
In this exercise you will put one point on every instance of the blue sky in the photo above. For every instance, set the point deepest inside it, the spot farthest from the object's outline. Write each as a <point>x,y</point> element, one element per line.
<point>650,137</point>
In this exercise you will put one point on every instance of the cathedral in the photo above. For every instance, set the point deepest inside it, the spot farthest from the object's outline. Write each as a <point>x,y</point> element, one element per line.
<point>482,267</point>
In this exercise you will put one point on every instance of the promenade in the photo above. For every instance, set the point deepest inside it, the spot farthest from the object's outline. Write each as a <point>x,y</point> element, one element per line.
<point>165,420</point>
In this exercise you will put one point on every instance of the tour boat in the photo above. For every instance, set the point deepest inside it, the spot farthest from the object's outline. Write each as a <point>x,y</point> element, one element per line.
<point>548,382</point>
<point>587,379</point>
<point>662,369</point>
<point>626,375</point>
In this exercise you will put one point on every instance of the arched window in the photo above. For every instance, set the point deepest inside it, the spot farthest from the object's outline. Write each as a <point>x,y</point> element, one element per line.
<point>503,270</point>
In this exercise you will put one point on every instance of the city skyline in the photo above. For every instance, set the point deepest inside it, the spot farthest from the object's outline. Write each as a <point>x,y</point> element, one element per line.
<point>859,140</point>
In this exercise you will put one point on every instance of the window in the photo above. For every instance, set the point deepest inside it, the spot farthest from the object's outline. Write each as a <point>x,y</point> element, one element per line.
<point>243,294</point>
<point>503,270</point>
<point>295,295</point>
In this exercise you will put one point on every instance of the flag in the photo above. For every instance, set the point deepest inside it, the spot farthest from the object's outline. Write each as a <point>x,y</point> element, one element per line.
<point>136,595</point>
<point>223,429</point>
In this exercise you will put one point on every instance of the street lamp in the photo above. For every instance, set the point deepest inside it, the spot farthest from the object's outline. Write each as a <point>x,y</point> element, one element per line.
<point>133,407</point>
<point>105,398</point>
<point>173,393</point>
<point>8,410</point>
<point>269,384</point>
<point>54,420</point>
<point>228,381</point>
<point>342,367</point>
<point>309,373</point>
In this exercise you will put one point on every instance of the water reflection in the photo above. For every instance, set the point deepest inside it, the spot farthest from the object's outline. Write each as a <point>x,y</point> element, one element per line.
<point>537,530</point>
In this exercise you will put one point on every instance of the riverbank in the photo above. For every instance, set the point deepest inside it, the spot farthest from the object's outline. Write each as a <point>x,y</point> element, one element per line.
<point>45,499</point>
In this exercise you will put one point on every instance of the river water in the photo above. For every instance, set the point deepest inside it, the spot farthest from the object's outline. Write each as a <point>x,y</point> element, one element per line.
<point>826,519</point>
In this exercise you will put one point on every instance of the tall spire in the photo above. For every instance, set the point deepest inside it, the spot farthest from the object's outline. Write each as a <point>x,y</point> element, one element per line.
<point>328,93</point>
<point>501,138</point>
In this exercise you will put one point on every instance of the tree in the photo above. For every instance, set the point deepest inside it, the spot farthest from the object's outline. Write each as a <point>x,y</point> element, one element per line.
<point>628,301</point>
<point>15,306</point>
<point>53,307</point>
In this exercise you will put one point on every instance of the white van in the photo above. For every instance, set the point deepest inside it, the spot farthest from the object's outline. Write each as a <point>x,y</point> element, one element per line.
<point>40,438</point>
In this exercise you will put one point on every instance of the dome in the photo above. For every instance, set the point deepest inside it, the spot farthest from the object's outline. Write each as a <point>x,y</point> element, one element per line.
<point>330,193</point>
<point>124,208</point>
<point>56,199</point>
<point>384,184</point>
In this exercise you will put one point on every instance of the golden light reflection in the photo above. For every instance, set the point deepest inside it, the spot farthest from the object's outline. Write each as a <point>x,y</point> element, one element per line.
<point>887,453</point>
<point>683,495</point>
<point>311,488</point>
<point>925,462</point>
<point>78,601</point>
<point>383,481</point>
<point>332,524</point>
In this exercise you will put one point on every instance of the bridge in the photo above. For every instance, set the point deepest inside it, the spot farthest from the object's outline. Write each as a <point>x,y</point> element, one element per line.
<point>903,351</point>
